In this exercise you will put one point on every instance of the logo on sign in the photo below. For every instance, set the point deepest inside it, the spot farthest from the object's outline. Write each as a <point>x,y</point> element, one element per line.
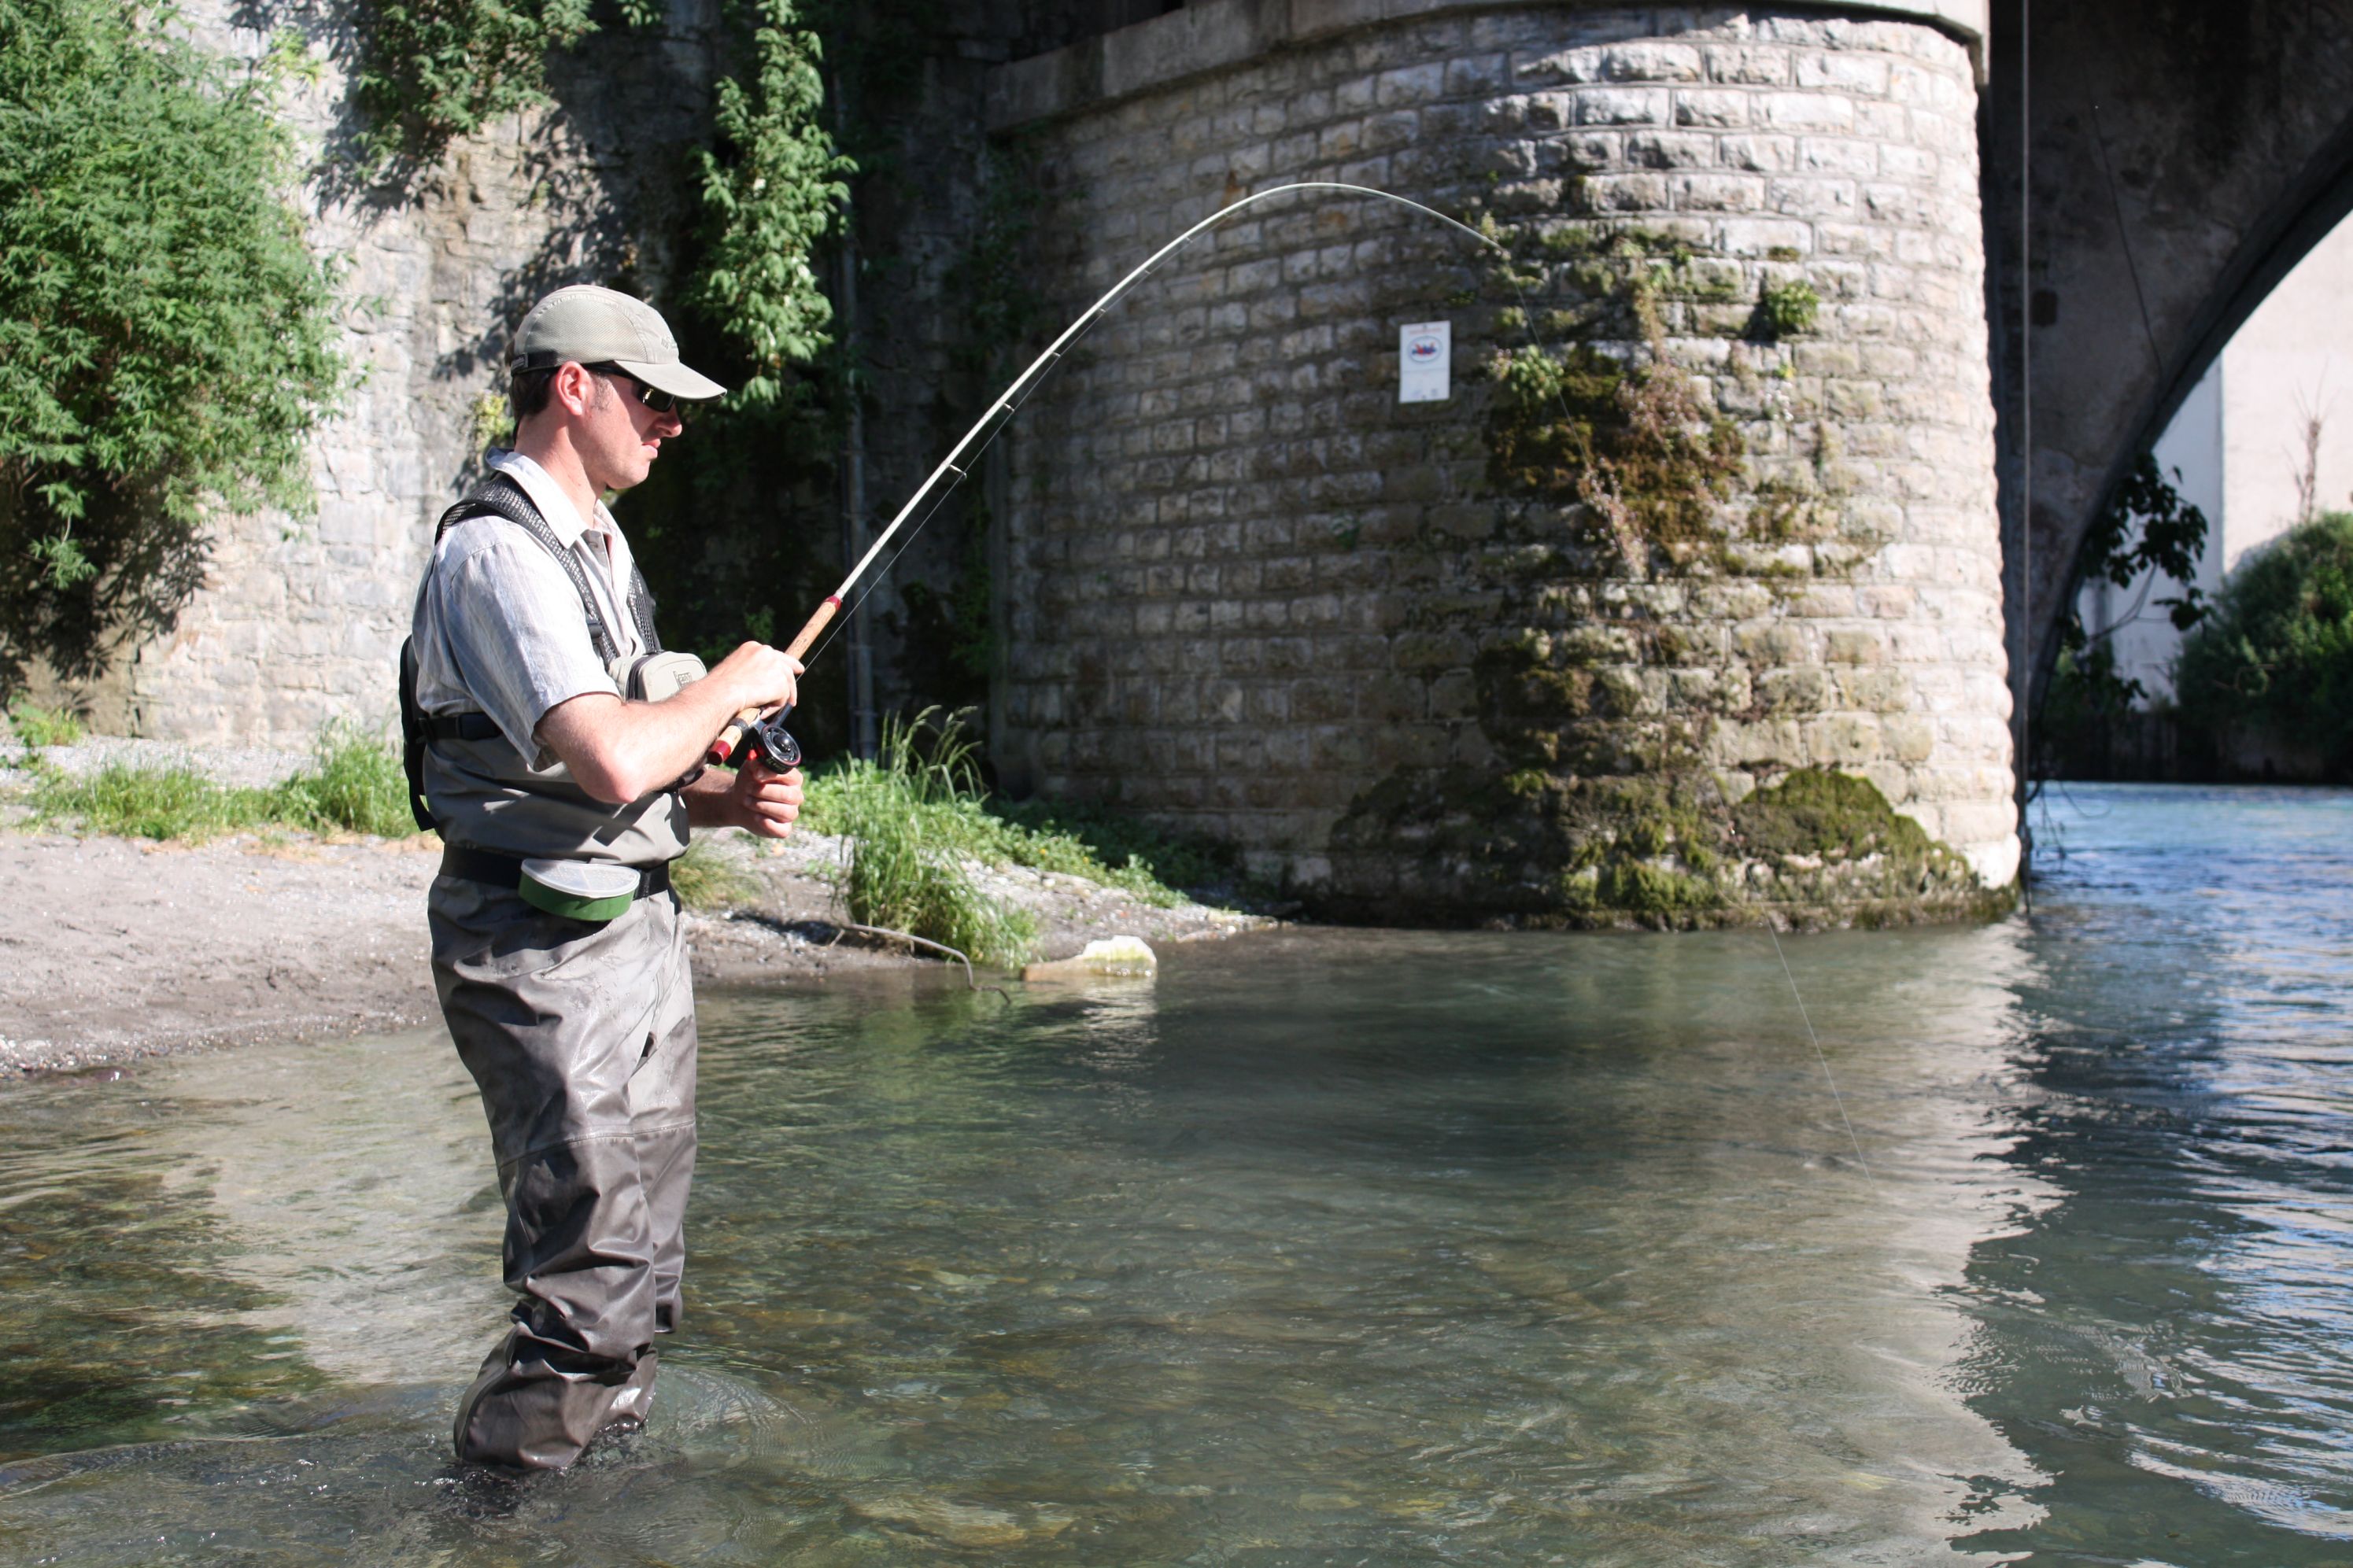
<point>1422,349</point>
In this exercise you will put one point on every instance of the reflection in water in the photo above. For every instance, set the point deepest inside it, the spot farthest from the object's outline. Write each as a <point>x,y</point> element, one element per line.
<point>2168,1342</point>
<point>1333,1247</point>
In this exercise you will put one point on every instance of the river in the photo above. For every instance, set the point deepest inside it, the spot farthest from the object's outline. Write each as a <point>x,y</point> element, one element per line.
<point>1329,1247</point>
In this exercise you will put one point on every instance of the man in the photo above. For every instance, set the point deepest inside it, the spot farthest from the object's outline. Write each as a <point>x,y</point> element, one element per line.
<point>557,950</point>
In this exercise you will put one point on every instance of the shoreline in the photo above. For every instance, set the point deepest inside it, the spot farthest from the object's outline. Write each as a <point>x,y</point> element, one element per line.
<point>123,949</point>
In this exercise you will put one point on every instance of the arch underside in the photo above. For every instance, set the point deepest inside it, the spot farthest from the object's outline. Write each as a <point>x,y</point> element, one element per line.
<point>2184,158</point>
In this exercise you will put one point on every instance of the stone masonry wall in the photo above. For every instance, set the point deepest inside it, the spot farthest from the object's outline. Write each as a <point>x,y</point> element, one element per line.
<point>299,621</point>
<point>1253,595</point>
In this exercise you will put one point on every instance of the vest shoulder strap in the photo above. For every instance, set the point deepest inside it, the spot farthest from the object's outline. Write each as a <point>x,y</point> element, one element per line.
<point>502,497</point>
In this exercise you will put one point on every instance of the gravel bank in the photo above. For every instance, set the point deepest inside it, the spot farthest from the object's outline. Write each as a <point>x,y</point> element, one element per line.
<point>116,949</point>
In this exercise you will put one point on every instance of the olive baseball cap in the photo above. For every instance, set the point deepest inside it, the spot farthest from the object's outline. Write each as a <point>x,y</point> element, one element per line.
<point>599,326</point>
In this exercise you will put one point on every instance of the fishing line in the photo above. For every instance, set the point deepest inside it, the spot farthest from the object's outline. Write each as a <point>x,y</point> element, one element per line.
<point>1819,1055</point>
<point>1024,386</point>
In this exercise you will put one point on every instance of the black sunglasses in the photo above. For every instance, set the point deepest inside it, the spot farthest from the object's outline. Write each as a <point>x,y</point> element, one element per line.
<point>656,400</point>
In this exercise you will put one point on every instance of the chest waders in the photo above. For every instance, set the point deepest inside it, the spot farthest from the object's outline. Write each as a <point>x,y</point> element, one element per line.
<point>561,967</point>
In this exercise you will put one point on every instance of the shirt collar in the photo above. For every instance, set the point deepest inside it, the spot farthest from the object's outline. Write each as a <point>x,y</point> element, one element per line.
<point>549,498</point>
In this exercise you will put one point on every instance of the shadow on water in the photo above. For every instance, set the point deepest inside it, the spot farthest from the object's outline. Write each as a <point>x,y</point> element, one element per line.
<point>1363,1247</point>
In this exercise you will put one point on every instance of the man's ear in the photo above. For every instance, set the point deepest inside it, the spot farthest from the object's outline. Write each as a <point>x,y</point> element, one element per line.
<point>574,389</point>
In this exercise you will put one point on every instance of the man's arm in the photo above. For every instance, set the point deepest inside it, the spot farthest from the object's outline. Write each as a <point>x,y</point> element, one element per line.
<point>620,752</point>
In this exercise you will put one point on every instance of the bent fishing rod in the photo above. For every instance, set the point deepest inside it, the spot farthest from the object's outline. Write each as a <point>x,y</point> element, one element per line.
<point>760,733</point>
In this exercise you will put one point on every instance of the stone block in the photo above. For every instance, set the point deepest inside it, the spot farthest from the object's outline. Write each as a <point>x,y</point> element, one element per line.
<point>1718,192</point>
<point>1806,111</point>
<point>1652,61</point>
<point>1909,737</point>
<point>1746,65</point>
<point>1624,106</point>
<point>1801,688</point>
<point>1713,108</point>
<point>1627,193</point>
<point>1763,237</point>
<point>1670,150</point>
<point>1861,75</point>
<point>1476,75</point>
<point>1410,85</point>
<point>1760,153</point>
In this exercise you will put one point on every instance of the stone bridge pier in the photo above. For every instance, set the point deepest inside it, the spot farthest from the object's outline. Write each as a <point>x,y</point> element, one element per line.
<point>1704,622</point>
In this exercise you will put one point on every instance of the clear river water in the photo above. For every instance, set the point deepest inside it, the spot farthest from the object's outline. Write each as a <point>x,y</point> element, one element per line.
<point>1328,1247</point>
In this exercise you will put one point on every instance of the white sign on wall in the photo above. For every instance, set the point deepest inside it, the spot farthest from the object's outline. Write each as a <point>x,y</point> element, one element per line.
<point>1424,350</point>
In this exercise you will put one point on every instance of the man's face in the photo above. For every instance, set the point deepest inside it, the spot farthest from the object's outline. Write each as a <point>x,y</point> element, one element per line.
<point>620,437</point>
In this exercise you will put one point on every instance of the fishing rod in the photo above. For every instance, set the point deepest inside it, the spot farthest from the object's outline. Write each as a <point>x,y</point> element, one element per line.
<point>760,732</point>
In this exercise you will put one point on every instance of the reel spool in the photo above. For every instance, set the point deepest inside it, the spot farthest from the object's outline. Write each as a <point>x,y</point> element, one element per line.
<point>769,741</point>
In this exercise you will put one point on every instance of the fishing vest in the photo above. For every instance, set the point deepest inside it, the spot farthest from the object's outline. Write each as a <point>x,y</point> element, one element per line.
<point>467,781</point>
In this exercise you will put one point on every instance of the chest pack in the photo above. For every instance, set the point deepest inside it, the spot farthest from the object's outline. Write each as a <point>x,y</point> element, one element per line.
<point>648,677</point>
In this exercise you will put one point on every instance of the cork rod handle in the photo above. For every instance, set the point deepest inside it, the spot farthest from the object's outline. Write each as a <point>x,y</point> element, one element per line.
<point>723,746</point>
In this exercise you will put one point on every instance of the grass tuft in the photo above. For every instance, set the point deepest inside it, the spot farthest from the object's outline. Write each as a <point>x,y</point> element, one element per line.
<point>913,817</point>
<point>38,726</point>
<point>353,785</point>
<point>147,802</point>
<point>706,880</point>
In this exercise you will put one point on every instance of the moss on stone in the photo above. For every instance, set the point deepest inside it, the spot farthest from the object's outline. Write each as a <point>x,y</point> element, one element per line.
<point>1818,812</point>
<point>1653,843</point>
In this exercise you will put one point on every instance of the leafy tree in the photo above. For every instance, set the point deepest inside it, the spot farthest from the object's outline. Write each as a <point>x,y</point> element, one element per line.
<point>165,337</point>
<point>433,70</point>
<point>2274,658</point>
<point>770,192</point>
<point>2148,535</point>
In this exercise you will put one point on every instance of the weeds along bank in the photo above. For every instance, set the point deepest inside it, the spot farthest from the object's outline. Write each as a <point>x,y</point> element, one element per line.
<point>1686,605</point>
<point>907,840</point>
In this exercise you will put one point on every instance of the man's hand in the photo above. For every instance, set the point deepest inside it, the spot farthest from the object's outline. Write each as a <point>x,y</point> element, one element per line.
<point>758,676</point>
<point>762,802</point>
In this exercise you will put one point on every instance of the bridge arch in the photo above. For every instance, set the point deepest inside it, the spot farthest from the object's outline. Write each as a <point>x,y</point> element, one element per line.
<point>2177,160</point>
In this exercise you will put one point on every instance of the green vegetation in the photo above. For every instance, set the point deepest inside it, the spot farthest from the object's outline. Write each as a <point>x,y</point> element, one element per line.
<point>2274,658</point>
<point>916,817</point>
<point>1830,816</point>
<point>353,785</point>
<point>164,334</point>
<point>37,726</point>
<point>432,70</point>
<point>1621,430</point>
<point>913,818</point>
<point>2148,534</point>
<point>148,802</point>
<point>1787,309</point>
<point>769,193</point>
<point>705,879</point>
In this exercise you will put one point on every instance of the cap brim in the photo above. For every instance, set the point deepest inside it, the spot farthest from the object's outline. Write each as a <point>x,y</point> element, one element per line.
<point>674,379</point>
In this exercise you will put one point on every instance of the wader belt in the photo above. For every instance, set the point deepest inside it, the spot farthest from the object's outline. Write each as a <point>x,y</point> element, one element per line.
<point>470,726</point>
<point>505,871</point>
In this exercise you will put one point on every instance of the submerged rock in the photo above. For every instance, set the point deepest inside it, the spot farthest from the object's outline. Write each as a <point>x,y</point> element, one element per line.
<point>1118,956</point>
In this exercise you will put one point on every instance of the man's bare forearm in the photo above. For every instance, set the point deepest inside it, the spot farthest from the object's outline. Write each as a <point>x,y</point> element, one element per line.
<point>620,752</point>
